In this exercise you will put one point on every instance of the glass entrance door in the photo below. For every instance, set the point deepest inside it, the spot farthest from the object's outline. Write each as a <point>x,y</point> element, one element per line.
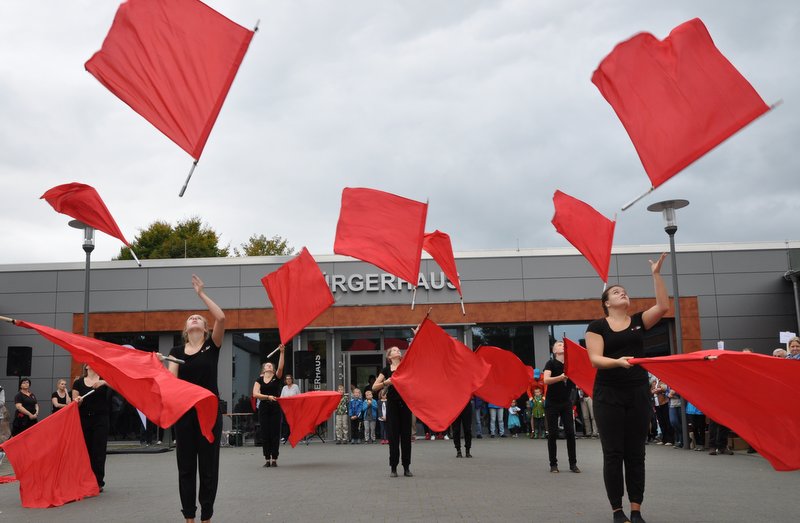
<point>360,369</point>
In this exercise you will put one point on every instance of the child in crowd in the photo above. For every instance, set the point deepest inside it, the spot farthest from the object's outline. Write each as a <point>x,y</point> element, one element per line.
<point>370,415</point>
<point>382,416</point>
<point>341,418</point>
<point>537,414</point>
<point>356,413</point>
<point>513,419</point>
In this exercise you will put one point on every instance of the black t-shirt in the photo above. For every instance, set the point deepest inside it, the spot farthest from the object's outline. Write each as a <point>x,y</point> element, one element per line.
<point>201,367</point>
<point>558,393</point>
<point>271,388</point>
<point>627,342</point>
<point>28,402</point>
<point>59,399</point>
<point>391,392</point>
<point>97,403</point>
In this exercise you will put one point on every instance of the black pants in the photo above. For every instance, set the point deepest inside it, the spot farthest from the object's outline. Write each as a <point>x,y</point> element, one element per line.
<point>21,423</point>
<point>269,416</point>
<point>194,452</point>
<point>623,415</point>
<point>463,420</point>
<point>398,427</point>
<point>698,422</point>
<point>662,413</point>
<point>718,434</point>
<point>564,411</point>
<point>356,429</point>
<point>95,434</point>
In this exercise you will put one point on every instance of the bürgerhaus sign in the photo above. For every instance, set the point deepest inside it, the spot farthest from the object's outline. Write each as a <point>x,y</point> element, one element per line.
<point>382,282</point>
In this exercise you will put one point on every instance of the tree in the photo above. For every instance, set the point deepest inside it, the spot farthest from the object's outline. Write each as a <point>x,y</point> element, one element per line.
<point>260,245</point>
<point>188,239</point>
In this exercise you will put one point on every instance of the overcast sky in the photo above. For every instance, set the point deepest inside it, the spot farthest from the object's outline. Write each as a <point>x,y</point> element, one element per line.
<point>483,107</point>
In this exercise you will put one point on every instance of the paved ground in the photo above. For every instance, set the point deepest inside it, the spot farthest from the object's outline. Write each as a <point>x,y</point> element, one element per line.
<point>507,480</point>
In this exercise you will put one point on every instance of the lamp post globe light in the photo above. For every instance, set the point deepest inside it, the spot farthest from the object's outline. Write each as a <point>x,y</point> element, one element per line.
<point>668,208</point>
<point>88,247</point>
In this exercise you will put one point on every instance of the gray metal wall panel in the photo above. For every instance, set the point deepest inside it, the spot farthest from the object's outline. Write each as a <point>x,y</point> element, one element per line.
<point>118,301</point>
<point>750,261</point>
<point>563,288</point>
<point>472,269</point>
<point>755,304</point>
<point>745,327</point>
<point>559,267</point>
<point>183,299</point>
<point>27,282</point>
<point>635,264</point>
<point>707,305</point>
<point>251,275</point>
<point>254,298</point>
<point>709,329</point>
<point>23,302</point>
<point>181,277</point>
<point>441,296</point>
<point>71,281</point>
<point>61,369</point>
<point>751,283</point>
<point>494,290</point>
<point>71,301</point>
<point>690,263</point>
<point>118,279</point>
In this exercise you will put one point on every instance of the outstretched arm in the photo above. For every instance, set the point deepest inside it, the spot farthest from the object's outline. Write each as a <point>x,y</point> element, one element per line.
<point>218,330</point>
<point>652,315</point>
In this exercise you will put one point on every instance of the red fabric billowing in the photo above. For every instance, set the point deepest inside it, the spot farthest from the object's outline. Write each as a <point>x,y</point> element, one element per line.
<point>298,293</point>
<point>140,377</point>
<point>578,367</point>
<point>173,63</point>
<point>82,202</point>
<point>7,479</point>
<point>383,229</point>
<point>438,245</point>
<point>586,229</point>
<point>677,98</point>
<point>438,376</point>
<point>51,462</point>
<point>305,411</point>
<point>764,413</point>
<point>508,377</point>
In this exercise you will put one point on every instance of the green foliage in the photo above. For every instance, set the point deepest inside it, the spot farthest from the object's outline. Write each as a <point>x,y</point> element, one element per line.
<point>188,239</point>
<point>260,245</point>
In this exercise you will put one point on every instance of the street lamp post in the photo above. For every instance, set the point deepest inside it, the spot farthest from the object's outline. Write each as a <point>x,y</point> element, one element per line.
<point>668,208</point>
<point>88,247</point>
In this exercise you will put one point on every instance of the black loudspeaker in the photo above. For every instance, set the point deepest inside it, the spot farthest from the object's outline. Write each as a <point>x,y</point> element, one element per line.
<point>304,365</point>
<point>19,361</point>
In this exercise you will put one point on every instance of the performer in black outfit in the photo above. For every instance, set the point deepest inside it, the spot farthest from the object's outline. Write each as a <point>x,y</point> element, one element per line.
<point>94,418</point>
<point>200,351</point>
<point>561,394</point>
<point>463,420</point>
<point>398,416</point>
<point>267,388</point>
<point>61,397</point>
<point>622,404</point>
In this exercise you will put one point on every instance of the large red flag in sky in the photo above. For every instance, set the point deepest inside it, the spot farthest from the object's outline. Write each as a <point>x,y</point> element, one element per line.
<point>508,377</point>
<point>305,411</point>
<point>753,394</point>
<point>173,63</point>
<point>82,202</point>
<point>51,462</point>
<point>140,377</point>
<point>578,367</point>
<point>298,293</point>
<point>438,245</point>
<point>586,229</point>
<point>383,229</point>
<point>438,376</point>
<point>677,98</point>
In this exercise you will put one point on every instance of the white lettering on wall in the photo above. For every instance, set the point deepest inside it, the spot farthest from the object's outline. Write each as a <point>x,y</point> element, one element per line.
<point>383,282</point>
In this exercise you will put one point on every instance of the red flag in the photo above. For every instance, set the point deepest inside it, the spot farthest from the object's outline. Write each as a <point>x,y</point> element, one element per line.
<point>298,293</point>
<point>305,411</point>
<point>578,367</point>
<point>82,202</point>
<point>758,414</point>
<point>140,377</point>
<point>677,98</point>
<point>173,63</point>
<point>586,229</point>
<point>438,376</point>
<point>382,229</point>
<point>508,377</point>
<point>51,462</point>
<point>438,245</point>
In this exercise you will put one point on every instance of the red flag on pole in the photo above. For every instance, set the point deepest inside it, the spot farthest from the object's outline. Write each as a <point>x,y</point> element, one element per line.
<point>382,229</point>
<point>586,229</point>
<point>438,245</point>
<point>759,415</point>
<point>305,411</point>
<point>677,98</point>
<point>298,293</point>
<point>173,63</point>
<point>51,462</point>
<point>508,377</point>
<point>438,376</point>
<point>578,367</point>
<point>82,202</point>
<point>140,377</point>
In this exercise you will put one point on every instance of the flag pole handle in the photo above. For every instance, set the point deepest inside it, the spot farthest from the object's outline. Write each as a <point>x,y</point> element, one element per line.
<point>630,203</point>
<point>413,298</point>
<point>7,319</point>
<point>463,312</point>
<point>134,256</point>
<point>186,183</point>
<point>174,359</point>
<point>273,352</point>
